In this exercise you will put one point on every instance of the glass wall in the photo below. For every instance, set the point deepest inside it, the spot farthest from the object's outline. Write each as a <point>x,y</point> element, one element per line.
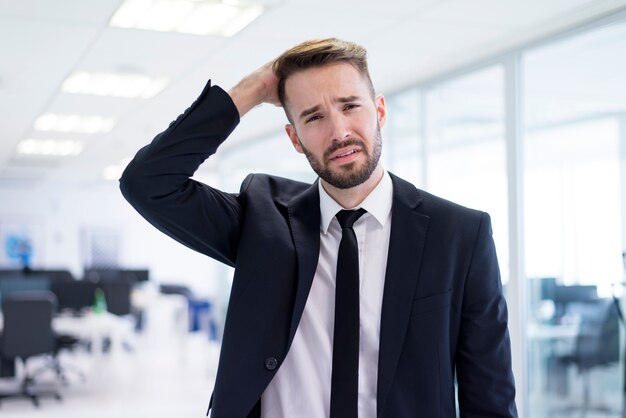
<point>466,158</point>
<point>273,155</point>
<point>574,105</point>
<point>403,146</point>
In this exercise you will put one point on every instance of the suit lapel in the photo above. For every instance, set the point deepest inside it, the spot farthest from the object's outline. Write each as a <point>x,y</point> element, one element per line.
<point>406,244</point>
<point>304,220</point>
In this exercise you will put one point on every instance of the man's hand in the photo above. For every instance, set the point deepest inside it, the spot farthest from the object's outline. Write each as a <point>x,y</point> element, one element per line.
<point>259,87</point>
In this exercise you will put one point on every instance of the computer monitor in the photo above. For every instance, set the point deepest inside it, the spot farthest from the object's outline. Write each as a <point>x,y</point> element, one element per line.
<point>564,296</point>
<point>135,276</point>
<point>18,284</point>
<point>75,295</point>
<point>53,275</point>
<point>117,295</point>
<point>116,275</point>
<point>575,293</point>
<point>102,275</point>
<point>547,286</point>
<point>10,273</point>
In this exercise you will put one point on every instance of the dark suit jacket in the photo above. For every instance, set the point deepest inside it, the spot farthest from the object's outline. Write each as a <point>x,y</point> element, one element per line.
<point>443,309</point>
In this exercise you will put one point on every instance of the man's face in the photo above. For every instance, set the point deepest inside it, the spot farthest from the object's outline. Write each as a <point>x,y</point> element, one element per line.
<point>335,123</point>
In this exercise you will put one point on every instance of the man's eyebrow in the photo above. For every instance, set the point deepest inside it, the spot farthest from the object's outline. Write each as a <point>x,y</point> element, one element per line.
<point>314,109</point>
<point>308,111</point>
<point>347,99</point>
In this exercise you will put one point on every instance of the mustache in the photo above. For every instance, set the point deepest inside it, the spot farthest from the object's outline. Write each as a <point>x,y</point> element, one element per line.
<point>338,145</point>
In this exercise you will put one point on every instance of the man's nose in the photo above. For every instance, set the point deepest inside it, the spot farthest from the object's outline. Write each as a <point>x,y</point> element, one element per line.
<point>340,128</point>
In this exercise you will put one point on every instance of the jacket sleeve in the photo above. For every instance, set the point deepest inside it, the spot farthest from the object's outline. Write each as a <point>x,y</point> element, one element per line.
<point>483,361</point>
<point>158,184</point>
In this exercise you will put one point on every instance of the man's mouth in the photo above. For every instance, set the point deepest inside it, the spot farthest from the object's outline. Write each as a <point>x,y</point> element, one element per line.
<point>345,151</point>
<point>345,154</point>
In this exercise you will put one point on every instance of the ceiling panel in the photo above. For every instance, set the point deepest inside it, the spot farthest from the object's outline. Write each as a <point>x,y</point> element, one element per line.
<point>35,66</point>
<point>148,52</point>
<point>502,13</point>
<point>43,41</point>
<point>31,50</point>
<point>413,54</point>
<point>397,7</point>
<point>68,11</point>
<point>83,104</point>
<point>291,23</point>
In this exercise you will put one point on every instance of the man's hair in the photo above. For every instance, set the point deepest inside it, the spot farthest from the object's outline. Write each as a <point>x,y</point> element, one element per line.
<point>317,53</point>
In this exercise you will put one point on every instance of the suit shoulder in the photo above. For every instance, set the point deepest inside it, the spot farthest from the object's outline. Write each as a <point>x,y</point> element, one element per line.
<point>275,187</point>
<point>435,205</point>
<point>429,204</point>
<point>452,220</point>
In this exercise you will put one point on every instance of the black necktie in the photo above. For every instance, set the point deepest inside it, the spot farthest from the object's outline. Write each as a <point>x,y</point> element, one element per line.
<point>345,375</point>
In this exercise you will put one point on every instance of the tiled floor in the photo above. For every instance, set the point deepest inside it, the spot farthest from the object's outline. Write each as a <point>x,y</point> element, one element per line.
<point>606,398</point>
<point>160,378</point>
<point>165,376</point>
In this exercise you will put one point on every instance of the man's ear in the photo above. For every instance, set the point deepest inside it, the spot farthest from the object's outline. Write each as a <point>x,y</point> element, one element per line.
<point>293,136</point>
<point>381,109</point>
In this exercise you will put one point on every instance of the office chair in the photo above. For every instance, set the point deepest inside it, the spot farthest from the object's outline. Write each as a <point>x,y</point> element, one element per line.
<point>182,317</point>
<point>65,342</point>
<point>597,345</point>
<point>27,332</point>
<point>117,294</point>
<point>62,342</point>
<point>176,289</point>
<point>74,296</point>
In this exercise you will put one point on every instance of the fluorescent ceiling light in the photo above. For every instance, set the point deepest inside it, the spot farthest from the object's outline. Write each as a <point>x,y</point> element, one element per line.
<point>208,17</point>
<point>73,123</point>
<point>114,84</point>
<point>50,147</point>
<point>114,171</point>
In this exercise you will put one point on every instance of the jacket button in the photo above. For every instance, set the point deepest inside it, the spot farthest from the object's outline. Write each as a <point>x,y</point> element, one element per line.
<point>271,363</point>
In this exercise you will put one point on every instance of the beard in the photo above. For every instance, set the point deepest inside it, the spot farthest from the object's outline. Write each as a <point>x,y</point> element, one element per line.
<point>348,175</point>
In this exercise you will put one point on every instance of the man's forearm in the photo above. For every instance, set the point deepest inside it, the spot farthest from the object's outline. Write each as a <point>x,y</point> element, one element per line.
<point>254,89</point>
<point>190,139</point>
<point>157,181</point>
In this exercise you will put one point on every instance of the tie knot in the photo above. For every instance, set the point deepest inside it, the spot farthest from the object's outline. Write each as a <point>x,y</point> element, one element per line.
<point>347,218</point>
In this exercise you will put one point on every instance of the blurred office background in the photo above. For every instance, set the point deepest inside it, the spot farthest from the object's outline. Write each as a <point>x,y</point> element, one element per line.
<point>514,107</point>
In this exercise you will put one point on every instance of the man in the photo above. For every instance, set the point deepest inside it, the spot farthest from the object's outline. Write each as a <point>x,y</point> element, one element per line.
<point>425,301</point>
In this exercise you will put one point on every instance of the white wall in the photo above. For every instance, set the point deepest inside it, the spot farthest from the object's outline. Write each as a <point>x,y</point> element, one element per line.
<point>58,214</point>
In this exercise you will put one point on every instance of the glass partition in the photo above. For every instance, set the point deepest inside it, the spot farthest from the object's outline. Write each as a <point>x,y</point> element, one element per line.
<point>403,144</point>
<point>575,107</point>
<point>271,155</point>
<point>466,148</point>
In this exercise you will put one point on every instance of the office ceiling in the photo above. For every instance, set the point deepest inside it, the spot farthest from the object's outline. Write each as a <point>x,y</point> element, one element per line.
<point>42,42</point>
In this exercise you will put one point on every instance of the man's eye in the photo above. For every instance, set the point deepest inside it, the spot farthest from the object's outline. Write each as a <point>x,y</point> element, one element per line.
<point>350,106</point>
<point>313,118</point>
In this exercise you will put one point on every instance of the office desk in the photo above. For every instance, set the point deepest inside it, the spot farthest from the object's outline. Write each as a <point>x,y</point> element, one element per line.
<point>94,328</point>
<point>91,328</point>
<point>546,342</point>
<point>543,332</point>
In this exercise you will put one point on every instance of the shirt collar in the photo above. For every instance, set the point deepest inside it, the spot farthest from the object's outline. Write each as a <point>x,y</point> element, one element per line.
<point>377,203</point>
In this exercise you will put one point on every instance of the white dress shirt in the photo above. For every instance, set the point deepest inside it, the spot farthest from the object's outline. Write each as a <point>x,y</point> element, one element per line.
<point>301,387</point>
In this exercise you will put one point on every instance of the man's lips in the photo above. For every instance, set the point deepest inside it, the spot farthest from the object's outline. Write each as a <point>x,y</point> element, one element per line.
<point>344,153</point>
